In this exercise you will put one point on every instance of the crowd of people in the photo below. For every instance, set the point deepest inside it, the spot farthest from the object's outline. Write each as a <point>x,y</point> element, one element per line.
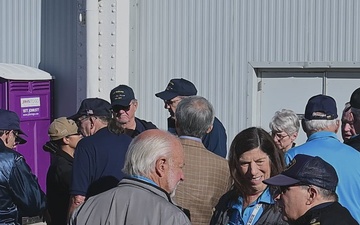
<point>110,167</point>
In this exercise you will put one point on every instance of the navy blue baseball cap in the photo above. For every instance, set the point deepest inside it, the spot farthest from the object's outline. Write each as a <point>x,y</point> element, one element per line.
<point>9,120</point>
<point>93,107</point>
<point>355,99</point>
<point>323,104</point>
<point>306,169</point>
<point>121,95</point>
<point>177,87</point>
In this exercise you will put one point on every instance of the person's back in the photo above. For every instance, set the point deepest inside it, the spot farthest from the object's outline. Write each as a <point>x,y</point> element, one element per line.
<point>207,179</point>
<point>100,157</point>
<point>153,166</point>
<point>322,141</point>
<point>131,202</point>
<point>207,175</point>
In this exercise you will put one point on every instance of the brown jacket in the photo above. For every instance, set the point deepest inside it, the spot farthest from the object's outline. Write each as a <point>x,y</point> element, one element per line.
<point>206,180</point>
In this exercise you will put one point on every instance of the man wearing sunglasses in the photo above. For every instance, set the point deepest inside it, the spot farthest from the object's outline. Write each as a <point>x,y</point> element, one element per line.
<point>177,89</point>
<point>124,106</point>
<point>20,193</point>
<point>305,193</point>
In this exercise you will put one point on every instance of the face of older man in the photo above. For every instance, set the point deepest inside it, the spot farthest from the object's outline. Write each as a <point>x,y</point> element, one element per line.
<point>347,125</point>
<point>293,201</point>
<point>174,174</point>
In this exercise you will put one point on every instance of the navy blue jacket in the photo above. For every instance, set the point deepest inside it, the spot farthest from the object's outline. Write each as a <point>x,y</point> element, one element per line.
<point>20,193</point>
<point>215,141</point>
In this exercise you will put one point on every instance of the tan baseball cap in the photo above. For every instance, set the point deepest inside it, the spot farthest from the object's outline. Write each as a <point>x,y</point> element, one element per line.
<point>62,127</point>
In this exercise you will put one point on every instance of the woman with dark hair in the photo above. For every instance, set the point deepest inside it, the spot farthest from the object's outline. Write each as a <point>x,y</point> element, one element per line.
<point>253,157</point>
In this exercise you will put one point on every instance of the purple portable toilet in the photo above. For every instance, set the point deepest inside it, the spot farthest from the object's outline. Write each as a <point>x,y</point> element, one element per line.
<point>27,91</point>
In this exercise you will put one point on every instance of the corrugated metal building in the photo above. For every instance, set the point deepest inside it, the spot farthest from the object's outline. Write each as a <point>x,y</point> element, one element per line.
<point>248,57</point>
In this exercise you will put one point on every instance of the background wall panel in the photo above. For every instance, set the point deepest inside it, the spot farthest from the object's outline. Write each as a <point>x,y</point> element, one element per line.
<point>215,43</point>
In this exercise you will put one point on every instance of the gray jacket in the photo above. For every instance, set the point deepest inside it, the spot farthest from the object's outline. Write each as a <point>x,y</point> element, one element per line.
<point>132,202</point>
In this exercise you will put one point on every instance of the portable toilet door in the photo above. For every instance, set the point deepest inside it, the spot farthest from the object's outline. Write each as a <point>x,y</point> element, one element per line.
<point>27,91</point>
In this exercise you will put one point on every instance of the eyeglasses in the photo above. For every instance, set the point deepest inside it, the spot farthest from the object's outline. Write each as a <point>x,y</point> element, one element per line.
<point>171,102</point>
<point>117,108</point>
<point>77,134</point>
<point>283,189</point>
<point>278,135</point>
<point>17,138</point>
<point>80,120</point>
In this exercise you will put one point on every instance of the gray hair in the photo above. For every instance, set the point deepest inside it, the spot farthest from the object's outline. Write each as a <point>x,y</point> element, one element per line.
<point>312,126</point>
<point>285,120</point>
<point>143,153</point>
<point>324,193</point>
<point>194,116</point>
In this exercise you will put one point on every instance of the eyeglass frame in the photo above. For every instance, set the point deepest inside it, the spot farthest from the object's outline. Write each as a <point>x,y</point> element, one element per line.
<point>279,190</point>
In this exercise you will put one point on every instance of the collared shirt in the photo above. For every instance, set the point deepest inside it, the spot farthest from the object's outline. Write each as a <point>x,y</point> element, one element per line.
<point>147,180</point>
<point>191,138</point>
<point>242,216</point>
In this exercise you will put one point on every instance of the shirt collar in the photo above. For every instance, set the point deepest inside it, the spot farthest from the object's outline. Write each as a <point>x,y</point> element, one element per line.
<point>190,138</point>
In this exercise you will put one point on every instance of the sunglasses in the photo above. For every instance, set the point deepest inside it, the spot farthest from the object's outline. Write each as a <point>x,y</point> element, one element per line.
<point>117,108</point>
<point>283,189</point>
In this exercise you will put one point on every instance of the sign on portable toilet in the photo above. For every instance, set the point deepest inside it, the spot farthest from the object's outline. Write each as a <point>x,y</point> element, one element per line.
<point>27,91</point>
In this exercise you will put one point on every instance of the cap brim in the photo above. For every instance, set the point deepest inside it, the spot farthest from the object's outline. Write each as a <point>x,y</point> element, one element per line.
<point>281,180</point>
<point>20,140</point>
<point>166,95</point>
<point>74,117</point>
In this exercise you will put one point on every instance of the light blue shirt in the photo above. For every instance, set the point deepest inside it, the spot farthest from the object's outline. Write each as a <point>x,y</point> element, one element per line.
<point>245,214</point>
<point>147,180</point>
<point>345,160</point>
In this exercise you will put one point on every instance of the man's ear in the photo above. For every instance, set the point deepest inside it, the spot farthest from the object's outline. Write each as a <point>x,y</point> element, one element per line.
<point>209,129</point>
<point>65,140</point>
<point>312,194</point>
<point>160,166</point>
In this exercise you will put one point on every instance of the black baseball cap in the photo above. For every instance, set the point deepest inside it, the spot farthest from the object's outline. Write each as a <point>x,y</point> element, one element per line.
<point>355,99</point>
<point>9,120</point>
<point>306,169</point>
<point>177,87</point>
<point>93,107</point>
<point>121,95</point>
<point>323,104</point>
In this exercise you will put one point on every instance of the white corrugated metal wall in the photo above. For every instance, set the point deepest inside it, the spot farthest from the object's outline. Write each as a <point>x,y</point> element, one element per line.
<point>20,32</point>
<point>215,44</point>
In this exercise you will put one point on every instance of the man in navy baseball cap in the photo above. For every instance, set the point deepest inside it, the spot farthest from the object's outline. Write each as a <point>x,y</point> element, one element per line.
<point>10,123</point>
<point>124,106</point>
<point>305,192</point>
<point>178,89</point>
<point>20,192</point>
<point>321,107</point>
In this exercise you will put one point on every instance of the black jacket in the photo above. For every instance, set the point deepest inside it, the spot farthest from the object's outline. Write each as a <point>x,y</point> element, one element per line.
<point>58,183</point>
<point>270,215</point>
<point>20,193</point>
<point>354,142</point>
<point>141,126</point>
<point>326,214</point>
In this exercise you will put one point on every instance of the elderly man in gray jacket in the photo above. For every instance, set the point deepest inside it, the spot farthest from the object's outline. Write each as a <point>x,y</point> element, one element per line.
<point>154,165</point>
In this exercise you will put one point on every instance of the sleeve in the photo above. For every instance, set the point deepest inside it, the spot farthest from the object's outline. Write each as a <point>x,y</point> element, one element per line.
<point>26,190</point>
<point>81,174</point>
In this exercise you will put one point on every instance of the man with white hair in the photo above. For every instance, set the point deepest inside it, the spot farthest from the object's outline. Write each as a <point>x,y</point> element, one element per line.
<point>153,165</point>
<point>321,124</point>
